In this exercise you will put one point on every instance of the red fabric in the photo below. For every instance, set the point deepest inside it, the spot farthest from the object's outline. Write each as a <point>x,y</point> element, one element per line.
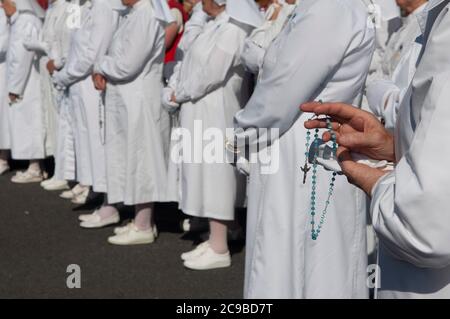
<point>170,52</point>
<point>43,3</point>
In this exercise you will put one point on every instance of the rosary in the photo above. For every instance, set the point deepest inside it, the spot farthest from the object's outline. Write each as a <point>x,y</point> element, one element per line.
<point>311,155</point>
<point>102,118</point>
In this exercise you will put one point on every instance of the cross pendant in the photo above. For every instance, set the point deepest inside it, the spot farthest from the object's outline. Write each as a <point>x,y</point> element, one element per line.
<point>305,169</point>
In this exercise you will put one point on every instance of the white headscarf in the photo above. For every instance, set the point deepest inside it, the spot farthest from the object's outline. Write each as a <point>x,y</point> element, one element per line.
<point>221,2</point>
<point>30,6</point>
<point>162,11</point>
<point>245,11</point>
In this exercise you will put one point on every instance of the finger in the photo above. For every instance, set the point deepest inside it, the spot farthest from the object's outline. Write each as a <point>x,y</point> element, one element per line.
<point>342,111</point>
<point>326,137</point>
<point>321,123</point>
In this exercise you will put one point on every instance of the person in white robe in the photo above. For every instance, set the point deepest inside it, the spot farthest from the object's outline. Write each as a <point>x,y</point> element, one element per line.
<point>53,45</point>
<point>90,41</point>
<point>210,188</point>
<point>192,30</point>
<point>408,207</point>
<point>398,66</point>
<point>5,142</point>
<point>313,58</point>
<point>131,74</point>
<point>26,114</point>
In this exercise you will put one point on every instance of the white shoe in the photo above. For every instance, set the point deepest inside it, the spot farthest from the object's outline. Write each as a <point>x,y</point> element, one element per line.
<point>4,167</point>
<point>54,185</point>
<point>72,193</point>
<point>96,221</point>
<point>209,260</point>
<point>199,250</point>
<point>27,177</point>
<point>81,199</point>
<point>123,229</point>
<point>134,236</point>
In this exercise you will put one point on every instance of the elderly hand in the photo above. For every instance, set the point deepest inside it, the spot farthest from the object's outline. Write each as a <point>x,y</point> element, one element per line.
<point>359,131</point>
<point>99,82</point>
<point>356,131</point>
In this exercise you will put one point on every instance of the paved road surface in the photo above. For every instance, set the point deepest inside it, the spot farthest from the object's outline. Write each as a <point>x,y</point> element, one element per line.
<point>40,237</point>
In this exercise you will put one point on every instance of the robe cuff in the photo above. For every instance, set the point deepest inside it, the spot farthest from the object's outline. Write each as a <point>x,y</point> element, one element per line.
<point>378,194</point>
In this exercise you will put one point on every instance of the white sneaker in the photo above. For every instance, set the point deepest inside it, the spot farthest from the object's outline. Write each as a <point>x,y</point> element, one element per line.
<point>27,177</point>
<point>81,199</point>
<point>72,193</point>
<point>4,167</point>
<point>54,185</point>
<point>123,229</point>
<point>209,260</point>
<point>134,236</point>
<point>96,221</point>
<point>199,250</point>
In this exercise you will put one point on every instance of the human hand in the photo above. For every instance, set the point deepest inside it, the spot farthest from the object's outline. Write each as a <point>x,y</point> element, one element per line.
<point>356,130</point>
<point>99,82</point>
<point>51,67</point>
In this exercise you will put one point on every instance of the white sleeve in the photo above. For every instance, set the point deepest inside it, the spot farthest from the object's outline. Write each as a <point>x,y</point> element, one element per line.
<point>214,72</point>
<point>254,48</point>
<point>178,17</point>
<point>132,60</point>
<point>20,60</point>
<point>85,52</point>
<point>286,82</point>
<point>409,207</point>
<point>380,94</point>
<point>193,27</point>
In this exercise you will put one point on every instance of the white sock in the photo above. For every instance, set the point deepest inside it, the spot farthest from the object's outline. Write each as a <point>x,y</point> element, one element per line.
<point>144,216</point>
<point>218,236</point>
<point>107,210</point>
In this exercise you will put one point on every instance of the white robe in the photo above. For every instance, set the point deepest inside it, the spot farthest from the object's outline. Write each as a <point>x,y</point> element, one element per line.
<point>398,68</point>
<point>54,29</point>
<point>27,117</point>
<point>5,142</point>
<point>98,23</point>
<point>136,168</point>
<point>192,30</point>
<point>409,206</point>
<point>211,89</point>
<point>58,50</point>
<point>313,58</point>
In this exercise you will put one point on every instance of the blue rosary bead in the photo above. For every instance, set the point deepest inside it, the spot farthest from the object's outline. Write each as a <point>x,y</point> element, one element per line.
<point>315,232</point>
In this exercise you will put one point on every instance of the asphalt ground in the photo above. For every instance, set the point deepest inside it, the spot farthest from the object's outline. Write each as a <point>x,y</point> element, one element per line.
<point>40,238</point>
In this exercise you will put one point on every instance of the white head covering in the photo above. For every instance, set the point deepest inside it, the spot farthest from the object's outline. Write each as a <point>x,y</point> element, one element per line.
<point>30,6</point>
<point>221,2</point>
<point>162,11</point>
<point>245,11</point>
